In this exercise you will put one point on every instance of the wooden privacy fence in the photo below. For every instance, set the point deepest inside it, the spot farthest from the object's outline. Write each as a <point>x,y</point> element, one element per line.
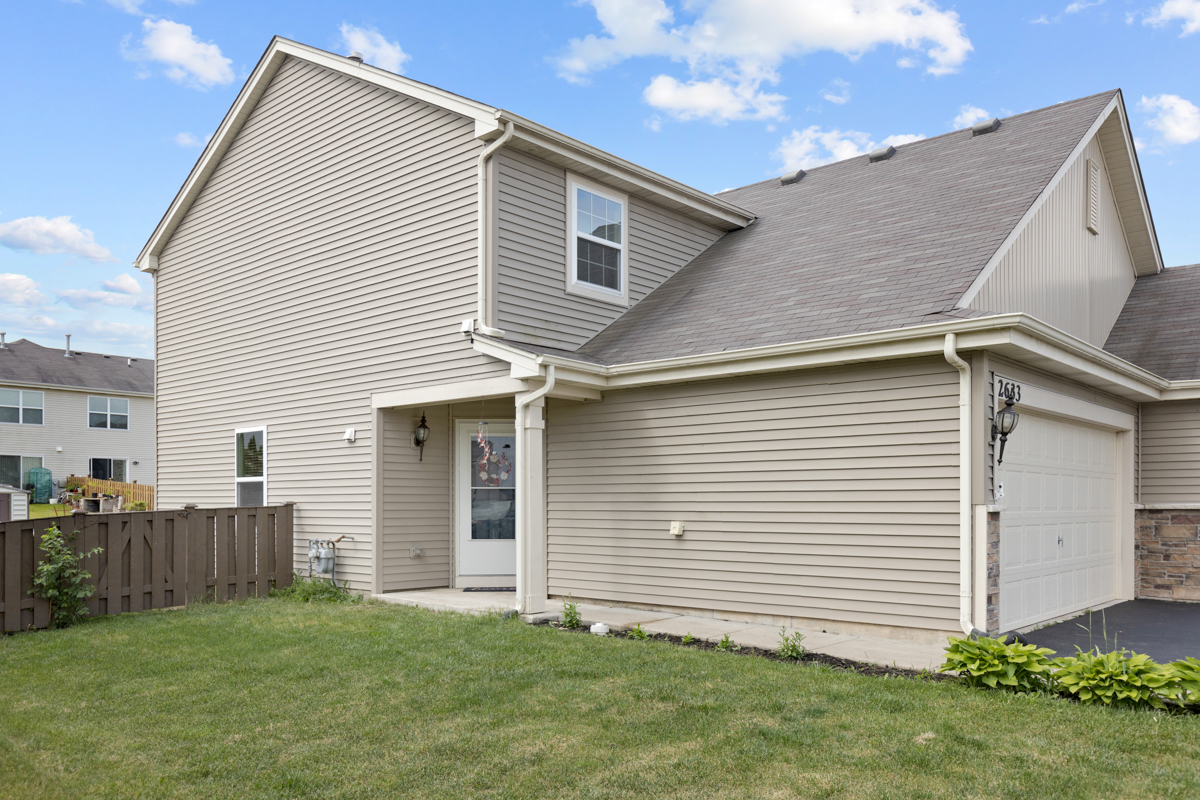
<point>153,559</point>
<point>132,492</point>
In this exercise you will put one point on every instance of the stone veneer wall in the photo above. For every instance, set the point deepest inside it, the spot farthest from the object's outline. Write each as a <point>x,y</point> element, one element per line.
<point>993,572</point>
<point>1168,554</point>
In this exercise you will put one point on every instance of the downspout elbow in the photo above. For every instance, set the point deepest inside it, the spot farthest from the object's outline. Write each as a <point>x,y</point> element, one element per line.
<point>481,311</point>
<point>950,350</point>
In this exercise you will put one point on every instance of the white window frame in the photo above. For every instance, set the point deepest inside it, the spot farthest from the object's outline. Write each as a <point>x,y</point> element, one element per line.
<point>111,461</point>
<point>236,479</point>
<point>589,290</point>
<point>87,420</point>
<point>21,406</point>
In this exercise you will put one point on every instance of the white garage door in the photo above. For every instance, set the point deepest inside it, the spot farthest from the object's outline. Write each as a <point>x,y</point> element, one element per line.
<point>1058,529</point>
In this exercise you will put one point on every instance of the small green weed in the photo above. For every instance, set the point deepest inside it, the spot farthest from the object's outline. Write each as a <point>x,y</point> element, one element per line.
<point>315,590</point>
<point>791,646</point>
<point>570,615</point>
<point>726,645</point>
<point>688,638</point>
<point>636,632</point>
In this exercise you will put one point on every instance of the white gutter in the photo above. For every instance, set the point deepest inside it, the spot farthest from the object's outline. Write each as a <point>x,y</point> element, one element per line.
<point>964,483</point>
<point>481,310</point>
<point>523,485</point>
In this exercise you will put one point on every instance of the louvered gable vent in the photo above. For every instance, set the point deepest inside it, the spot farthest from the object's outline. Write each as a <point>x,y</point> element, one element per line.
<point>1093,196</point>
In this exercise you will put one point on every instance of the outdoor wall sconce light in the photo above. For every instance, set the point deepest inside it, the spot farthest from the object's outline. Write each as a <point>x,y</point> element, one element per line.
<point>1006,419</point>
<point>421,436</point>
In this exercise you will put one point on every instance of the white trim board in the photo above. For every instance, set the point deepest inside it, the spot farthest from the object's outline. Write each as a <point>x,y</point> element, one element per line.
<point>1053,404</point>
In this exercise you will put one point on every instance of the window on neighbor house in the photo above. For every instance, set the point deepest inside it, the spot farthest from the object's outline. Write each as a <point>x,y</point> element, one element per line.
<point>598,266</point>
<point>20,407</point>
<point>108,412</point>
<point>109,469</point>
<point>14,470</point>
<point>250,446</point>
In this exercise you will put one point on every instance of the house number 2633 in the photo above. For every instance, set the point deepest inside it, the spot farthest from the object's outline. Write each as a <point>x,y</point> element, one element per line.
<point>1009,390</point>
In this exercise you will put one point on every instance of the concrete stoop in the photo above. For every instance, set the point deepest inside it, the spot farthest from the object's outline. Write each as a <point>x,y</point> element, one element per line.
<point>874,650</point>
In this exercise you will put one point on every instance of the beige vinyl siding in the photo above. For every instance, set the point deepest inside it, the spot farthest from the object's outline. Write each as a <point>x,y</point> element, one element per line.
<point>331,255</point>
<point>65,425</point>
<point>828,495</point>
<point>1060,272</point>
<point>1170,452</point>
<point>531,254</point>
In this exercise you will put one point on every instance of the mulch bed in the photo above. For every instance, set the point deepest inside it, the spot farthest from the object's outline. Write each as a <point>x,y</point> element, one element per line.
<point>861,667</point>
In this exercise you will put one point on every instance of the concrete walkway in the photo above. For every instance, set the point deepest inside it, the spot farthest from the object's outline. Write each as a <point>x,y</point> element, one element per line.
<point>875,650</point>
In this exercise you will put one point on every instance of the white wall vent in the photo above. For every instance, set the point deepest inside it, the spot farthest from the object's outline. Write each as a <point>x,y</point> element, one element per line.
<point>1093,195</point>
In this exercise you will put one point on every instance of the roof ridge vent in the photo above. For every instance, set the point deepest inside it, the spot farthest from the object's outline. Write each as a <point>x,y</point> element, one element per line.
<point>355,56</point>
<point>987,126</point>
<point>882,154</point>
<point>788,180</point>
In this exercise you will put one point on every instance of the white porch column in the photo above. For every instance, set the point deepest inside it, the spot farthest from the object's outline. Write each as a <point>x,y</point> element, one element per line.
<point>531,507</point>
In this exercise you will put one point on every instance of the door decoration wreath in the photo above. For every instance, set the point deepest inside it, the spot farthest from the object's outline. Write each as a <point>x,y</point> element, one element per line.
<point>494,468</point>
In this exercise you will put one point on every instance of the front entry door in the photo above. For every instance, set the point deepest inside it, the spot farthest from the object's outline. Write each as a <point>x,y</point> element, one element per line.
<point>487,500</point>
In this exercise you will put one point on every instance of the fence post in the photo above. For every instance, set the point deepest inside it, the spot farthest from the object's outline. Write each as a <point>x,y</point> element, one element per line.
<point>195,586</point>
<point>284,538</point>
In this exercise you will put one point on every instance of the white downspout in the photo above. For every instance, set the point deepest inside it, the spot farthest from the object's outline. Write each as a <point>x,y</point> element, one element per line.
<point>481,309</point>
<point>964,483</point>
<point>522,484</point>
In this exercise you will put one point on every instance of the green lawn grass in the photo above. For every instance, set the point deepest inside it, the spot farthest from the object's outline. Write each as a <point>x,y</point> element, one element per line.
<point>42,510</point>
<point>267,699</point>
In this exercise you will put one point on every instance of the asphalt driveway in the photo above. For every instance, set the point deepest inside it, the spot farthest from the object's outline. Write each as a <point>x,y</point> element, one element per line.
<point>1163,630</point>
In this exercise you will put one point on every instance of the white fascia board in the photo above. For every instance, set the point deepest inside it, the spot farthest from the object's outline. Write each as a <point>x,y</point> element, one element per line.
<point>1143,199</point>
<point>278,50</point>
<point>1017,330</point>
<point>439,394</point>
<point>551,140</point>
<point>1006,245</point>
<point>56,387</point>
<point>1181,390</point>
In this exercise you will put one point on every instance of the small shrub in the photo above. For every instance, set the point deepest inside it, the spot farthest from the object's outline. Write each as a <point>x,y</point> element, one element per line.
<point>139,505</point>
<point>688,638</point>
<point>59,580</point>
<point>636,632</point>
<point>1119,678</point>
<point>1185,687</point>
<point>992,663</point>
<point>315,590</point>
<point>570,615</point>
<point>726,645</point>
<point>791,646</point>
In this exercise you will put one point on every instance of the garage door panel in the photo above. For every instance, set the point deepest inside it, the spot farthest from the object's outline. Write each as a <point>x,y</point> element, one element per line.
<point>1058,528</point>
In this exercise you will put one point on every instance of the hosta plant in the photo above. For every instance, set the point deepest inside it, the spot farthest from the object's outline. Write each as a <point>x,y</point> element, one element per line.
<point>1186,684</point>
<point>1119,678</point>
<point>995,664</point>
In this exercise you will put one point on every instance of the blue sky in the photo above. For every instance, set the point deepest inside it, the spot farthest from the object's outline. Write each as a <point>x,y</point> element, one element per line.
<point>108,102</point>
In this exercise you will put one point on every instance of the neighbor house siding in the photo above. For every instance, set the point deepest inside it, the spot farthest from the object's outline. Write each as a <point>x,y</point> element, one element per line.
<point>1170,452</point>
<point>331,255</point>
<point>1060,272</point>
<point>531,254</point>
<point>825,495</point>
<point>65,425</point>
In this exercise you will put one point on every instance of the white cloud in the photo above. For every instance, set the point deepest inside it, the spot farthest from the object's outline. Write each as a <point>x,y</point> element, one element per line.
<point>1081,5</point>
<point>85,299</point>
<point>1042,20</point>
<point>1178,120</point>
<point>20,290</point>
<point>838,92</point>
<point>714,100</point>
<point>733,47</point>
<point>135,6</point>
<point>906,63</point>
<point>375,49</point>
<point>124,283</point>
<point>968,115</point>
<point>187,59</point>
<point>1186,10</point>
<point>814,146</point>
<point>87,333</point>
<point>58,235</point>
<point>186,139</point>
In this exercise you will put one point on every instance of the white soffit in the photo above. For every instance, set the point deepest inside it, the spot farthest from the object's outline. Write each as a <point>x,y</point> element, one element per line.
<point>1116,142</point>
<point>537,139</point>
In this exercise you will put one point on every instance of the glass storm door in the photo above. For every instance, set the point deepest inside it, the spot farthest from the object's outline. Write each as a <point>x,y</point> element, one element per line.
<point>487,495</point>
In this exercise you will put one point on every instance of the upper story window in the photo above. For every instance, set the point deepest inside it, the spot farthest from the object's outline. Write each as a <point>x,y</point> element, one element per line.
<point>21,407</point>
<point>598,248</point>
<point>108,412</point>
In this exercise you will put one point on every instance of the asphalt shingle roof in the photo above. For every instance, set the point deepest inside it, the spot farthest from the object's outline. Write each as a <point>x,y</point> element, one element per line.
<point>1159,327</point>
<point>855,246</point>
<point>26,362</point>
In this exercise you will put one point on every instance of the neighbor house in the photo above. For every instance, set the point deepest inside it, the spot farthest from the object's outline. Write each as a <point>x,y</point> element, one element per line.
<point>75,413</point>
<point>495,355</point>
